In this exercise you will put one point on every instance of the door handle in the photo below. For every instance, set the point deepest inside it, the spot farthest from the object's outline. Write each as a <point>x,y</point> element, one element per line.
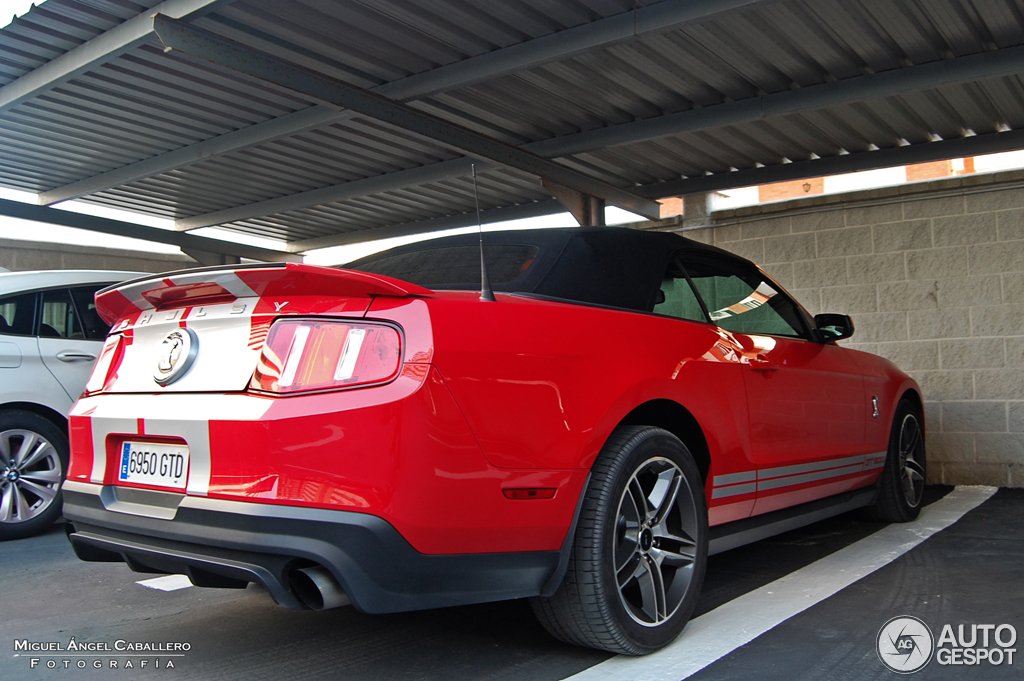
<point>762,365</point>
<point>75,357</point>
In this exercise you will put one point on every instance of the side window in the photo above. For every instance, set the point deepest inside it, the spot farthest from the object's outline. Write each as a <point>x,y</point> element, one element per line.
<point>739,298</point>
<point>59,319</point>
<point>17,313</point>
<point>85,301</point>
<point>677,298</point>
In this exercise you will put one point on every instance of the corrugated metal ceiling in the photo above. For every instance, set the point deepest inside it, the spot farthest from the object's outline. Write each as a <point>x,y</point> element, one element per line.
<point>137,130</point>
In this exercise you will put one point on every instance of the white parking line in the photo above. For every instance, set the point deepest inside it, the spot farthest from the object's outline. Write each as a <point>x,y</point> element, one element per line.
<point>167,583</point>
<point>721,631</point>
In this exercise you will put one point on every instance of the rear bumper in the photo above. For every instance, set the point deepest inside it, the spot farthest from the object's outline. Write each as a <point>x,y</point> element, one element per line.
<point>401,452</point>
<point>221,543</point>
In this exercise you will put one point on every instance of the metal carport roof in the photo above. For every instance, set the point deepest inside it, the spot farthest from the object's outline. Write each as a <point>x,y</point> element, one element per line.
<point>623,100</point>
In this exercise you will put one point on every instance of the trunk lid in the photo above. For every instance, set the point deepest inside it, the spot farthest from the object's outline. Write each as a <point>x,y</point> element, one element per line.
<point>208,325</point>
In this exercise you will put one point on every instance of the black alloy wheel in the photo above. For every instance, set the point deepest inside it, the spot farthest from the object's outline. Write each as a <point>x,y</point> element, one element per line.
<point>639,551</point>
<point>901,487</point>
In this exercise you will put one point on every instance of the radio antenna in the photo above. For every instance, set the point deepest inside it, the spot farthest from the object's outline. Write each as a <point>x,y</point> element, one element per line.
<point>485,282</point>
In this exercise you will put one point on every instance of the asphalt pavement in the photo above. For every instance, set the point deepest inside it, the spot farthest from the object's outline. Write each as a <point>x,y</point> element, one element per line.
<point>50,597</point>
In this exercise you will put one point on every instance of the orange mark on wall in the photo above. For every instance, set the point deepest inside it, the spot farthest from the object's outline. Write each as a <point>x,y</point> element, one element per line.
<point>939,169</point>
<point>671,206</point>
<point>930,171</point>
<point>791,190</point>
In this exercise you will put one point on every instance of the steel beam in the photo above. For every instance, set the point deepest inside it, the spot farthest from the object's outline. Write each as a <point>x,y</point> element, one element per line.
<point>663,16</point>
<point>101,49</point>
<point>925,152</point>
<point>987,65</point>
<point>187,242</point>
<point>588,210</point>
<point>434,172</point>
<point>849,163</point>
<point>525,210</point>
<point>658,18</point>
<point>210,47</point>
<point>275,128</point>
<point>885,84</point>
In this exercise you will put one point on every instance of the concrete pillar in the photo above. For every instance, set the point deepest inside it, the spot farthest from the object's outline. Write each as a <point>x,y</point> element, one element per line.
<point>696,210</point>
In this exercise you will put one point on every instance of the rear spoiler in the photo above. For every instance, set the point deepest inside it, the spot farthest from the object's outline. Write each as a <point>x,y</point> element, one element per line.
<point>210,285</point>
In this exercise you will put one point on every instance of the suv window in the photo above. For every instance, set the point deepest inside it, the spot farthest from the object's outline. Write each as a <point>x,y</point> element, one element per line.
<point>85,302</point>
<point>17,314</point>
<point>740,298</point>
<point>59,319</point>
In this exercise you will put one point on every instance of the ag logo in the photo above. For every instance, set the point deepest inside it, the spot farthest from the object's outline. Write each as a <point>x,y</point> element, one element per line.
<point>177,352</point>
<point>905,644</point>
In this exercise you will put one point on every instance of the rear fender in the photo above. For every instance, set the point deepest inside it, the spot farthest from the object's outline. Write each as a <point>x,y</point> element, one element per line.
<point>723,422</point>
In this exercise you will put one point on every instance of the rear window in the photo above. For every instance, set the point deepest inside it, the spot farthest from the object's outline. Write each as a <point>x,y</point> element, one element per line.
<point>453,267</point>
<point>607,267</point>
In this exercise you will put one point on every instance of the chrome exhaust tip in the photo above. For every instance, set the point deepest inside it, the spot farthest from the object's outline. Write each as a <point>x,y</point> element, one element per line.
<point>317,588</point>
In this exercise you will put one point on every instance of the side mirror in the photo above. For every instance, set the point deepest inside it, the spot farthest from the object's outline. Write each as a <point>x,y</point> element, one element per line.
<point>833,327</point>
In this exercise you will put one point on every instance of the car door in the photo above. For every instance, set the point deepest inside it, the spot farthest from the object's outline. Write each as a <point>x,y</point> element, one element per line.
<point>731,484</point>
<point>23,376</point>
<point>806,400</point>
<point>67,346</point>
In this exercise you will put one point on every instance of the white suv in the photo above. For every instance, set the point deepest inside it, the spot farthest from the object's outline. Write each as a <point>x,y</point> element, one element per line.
<point>50,335</point>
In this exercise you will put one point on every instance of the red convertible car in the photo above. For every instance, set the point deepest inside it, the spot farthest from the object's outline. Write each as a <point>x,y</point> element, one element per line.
<point>381,435</point>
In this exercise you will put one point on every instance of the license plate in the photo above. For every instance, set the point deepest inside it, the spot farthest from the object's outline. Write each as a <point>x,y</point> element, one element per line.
<point>151,463</point>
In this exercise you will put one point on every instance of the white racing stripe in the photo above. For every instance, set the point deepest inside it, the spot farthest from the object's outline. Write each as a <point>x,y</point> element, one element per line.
<point>166,583</point>
<point>721,631</point>
<point>186,416</point>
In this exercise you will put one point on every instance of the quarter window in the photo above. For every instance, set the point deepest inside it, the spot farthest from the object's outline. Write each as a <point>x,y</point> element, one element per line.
<point>677,297</point>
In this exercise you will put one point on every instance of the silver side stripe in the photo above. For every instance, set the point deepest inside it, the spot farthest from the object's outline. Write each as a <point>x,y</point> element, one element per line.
<point>745,488</point>
<point>733,484</point>
<point>733,478</point>
<point>766,473</point>
<point>809,477</point>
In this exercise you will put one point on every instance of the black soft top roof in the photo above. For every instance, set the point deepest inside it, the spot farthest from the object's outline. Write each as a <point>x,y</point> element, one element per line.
<point>613,266</point>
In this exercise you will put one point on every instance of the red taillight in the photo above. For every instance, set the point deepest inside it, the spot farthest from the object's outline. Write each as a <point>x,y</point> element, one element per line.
<point>105,370</point>
<point>308,354</point>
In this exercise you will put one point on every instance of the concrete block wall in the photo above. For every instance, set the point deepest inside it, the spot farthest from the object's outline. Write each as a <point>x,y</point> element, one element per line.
<point>18,256</point>
<point>933,275</point>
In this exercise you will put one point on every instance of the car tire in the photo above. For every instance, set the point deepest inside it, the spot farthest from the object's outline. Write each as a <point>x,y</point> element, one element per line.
<point>634,574</point>
<point>33,465</point>
<point>901,486</point>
